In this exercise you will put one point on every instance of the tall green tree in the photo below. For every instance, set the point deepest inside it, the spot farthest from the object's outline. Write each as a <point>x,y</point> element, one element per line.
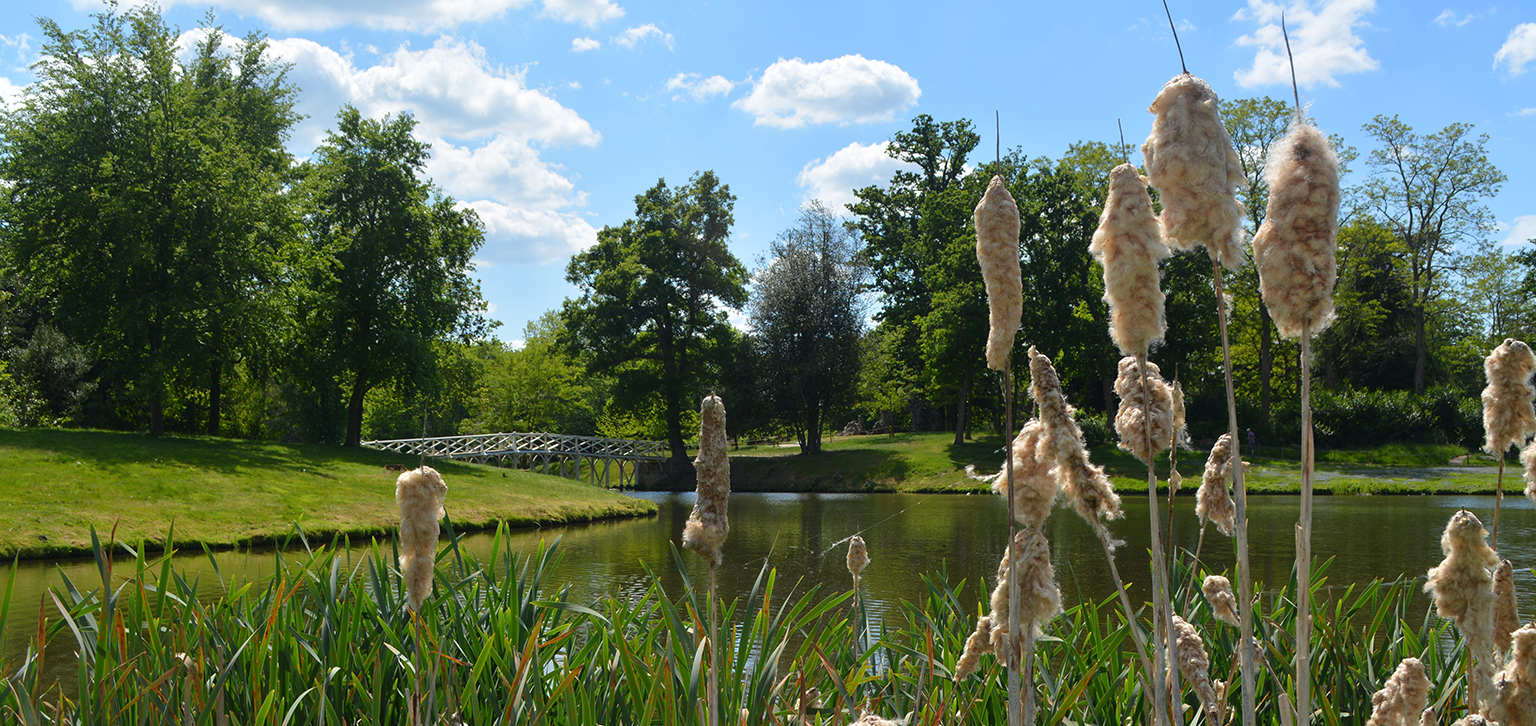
<point>390,269</point>
<point>653,291</point>
<point>1429,189</point>
<point>146,195</point>
<point>808,316</point>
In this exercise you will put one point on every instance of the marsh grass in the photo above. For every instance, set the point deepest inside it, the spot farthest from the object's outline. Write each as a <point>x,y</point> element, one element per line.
<point>328,640</point>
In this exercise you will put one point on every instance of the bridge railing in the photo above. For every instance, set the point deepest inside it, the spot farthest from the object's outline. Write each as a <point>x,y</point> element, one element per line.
<point>526,448</point>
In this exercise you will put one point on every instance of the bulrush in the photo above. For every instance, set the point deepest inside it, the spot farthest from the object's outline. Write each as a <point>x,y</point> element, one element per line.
<point>1402,700</point>
<point>1136,412</point>
<point>1082,481</point>
<point>1039,597</point>
<point>1214,501</point>
<point>707,525</point>
<point>997,251</point>
<point>1034,477</point>
<point>1514,703</point>
<point>1195,664</point>
<point>1218,592</point>
<point>1463,590</point>
<point>979,642</point>
<point>420,493</point>
<point>1508,417</point>
<point>1294,250</point>
<point>1506,616</point>
<point>858,557</point>
<point>1180,437</point>
<point>1191,162</point>
<point>1129,246</point>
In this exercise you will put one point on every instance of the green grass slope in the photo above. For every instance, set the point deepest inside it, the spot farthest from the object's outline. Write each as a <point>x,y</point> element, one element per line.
<point>227,492</point>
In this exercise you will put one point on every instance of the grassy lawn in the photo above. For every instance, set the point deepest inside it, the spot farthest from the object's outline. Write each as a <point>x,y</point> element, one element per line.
<point>227,492</point>
<point>931,462</point>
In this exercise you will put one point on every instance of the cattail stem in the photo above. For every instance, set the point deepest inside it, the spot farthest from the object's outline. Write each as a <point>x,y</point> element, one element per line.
<point>1498,502</point>
<point>1162,610</point>
<point>1016,717</point>
<point>1244,576</point>
<point>1027,666</point>
<point>1304,542</point>
<point>714,654</point>
<point>1130,618</point>
<point>1194,565</point>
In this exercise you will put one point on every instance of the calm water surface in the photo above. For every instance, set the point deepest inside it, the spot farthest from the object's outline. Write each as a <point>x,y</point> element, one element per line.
<point>804,537</point>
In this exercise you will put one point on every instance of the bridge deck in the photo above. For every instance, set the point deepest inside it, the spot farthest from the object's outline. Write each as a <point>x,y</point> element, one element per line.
<point>517,448</point>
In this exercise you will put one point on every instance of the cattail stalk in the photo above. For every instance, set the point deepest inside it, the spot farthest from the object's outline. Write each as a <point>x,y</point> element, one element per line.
<point>1462,586</point>
<point>708,524</point>
<point>1162,598</point>
<point>858,558</point>
<point>1508,417</point>
<point>420,493</point>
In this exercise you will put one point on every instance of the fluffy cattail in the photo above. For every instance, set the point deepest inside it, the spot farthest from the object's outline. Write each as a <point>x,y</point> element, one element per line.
<point>1514,702</point>
<point>1463,590</point>
<point>1218,592</point>
<point>1402,700</point>
<point>1294,250</point>
<point>979,642</point>
<point>707,525</point>
<point>1528,460</point>
<point>1084,482</point>
<point>1473,720</point>
<point>1194,664</point>
<point>1180,432</point>
<point>1506,617</point>
<point>1129,246</point>
<point>997,250</point>
<point>1214,500</point>
<point>1191,161</point>
<point>1034,477</point>
<point>1508,417</point>
<point>1137,410</point>
<point>419,492</point>
<point>858,557</point>
<point>1039,597</point>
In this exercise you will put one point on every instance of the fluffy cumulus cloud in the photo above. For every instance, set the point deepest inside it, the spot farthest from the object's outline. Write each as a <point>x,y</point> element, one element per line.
<point>587,12</point>
<point>692,85</point>
<point>1522,231</point>
<point>582,45</point>
<point>10,94</point>
<point>407,15</point>
<point>850,89</point>
<point>632,37</point>
<point>539,235</point>
<point>1518,50</point>
<point>855,166</point>
<point>1323,41</point>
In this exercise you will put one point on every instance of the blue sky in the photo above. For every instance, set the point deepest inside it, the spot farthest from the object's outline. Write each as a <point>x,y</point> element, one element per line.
<point>549,116</point>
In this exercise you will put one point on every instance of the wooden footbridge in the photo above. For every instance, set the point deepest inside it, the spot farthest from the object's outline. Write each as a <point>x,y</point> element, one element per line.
<point>530,451</point>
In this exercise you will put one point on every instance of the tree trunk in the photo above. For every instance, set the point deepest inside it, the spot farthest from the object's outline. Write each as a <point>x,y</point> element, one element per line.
<point>812,443</point>
<point>1107,384</point>
<point>962,409</point>
<point>1421,357</point>
<point>355,411</point>
<point>215,395</point>
<point>1266,358</point>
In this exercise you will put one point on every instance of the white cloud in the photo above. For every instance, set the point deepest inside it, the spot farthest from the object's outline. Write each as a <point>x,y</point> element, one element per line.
<point>505,169</point>
<point>855,166</point>
<point>633,36</point>
<point>850,89</point>
<point>587,12</point>
<point>10,94</point>
<point>531,236</point>
<point>1522,231</point>
<point>1526,112</point>
<point>700,89</point>
<point>582,45</point>
<point>1448,18</point>
<point>1518,50</point>
<point>1323,41</point>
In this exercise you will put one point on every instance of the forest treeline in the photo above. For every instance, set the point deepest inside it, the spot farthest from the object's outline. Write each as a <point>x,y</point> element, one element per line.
<point>166,265</point>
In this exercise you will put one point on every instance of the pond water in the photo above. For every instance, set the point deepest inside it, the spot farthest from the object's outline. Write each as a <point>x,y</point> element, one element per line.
<point>803,535</point>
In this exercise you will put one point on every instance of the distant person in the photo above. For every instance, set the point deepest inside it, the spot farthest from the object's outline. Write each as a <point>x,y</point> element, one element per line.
<point>1253,443</point>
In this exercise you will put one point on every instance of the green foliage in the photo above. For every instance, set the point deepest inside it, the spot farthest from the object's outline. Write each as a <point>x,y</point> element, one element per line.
<point>538,387</point>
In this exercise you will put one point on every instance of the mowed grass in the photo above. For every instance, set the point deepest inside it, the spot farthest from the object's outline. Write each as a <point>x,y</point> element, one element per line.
<point>920,462</point>
<point>227,492</point>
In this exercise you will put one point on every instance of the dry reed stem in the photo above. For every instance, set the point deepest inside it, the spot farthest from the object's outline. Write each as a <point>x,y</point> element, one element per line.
<point>1138,409</point>
<point>1195,665</point>
<point>420,493</point>
<point>708,524</point>
<point>1506,616</point>
<point>1514,702</point>
<point>1304,541</point>
<point>997,251</point>
<point>1462,586</point>
<point>1162,611</point>
<point>1240,491</point>
<point>1218,592</point>
<point>1213,501</point>
<point>1294,250</point>
<point>1403,699</point>
<point>1035,485</point>
<point>1191,162</point>
<point>1128,244</point>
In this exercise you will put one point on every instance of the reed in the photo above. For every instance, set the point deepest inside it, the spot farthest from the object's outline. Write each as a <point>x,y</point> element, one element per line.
<point>708,525</point>
<point>1508,416</point>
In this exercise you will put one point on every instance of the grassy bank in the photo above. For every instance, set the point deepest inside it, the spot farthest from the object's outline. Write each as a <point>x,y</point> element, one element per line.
<point>228,492</point>
<point>925,462</point>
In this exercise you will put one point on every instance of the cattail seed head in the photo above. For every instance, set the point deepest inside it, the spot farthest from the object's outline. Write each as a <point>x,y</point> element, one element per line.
<point>1473,720</point>
<point>1129,246</point>
<point>1039,597</point>
<point>1034,476</point>
<point>1194,664</point>
<point>1218,592</point>
<point>420,493</point>
<point>1508,417</point>
<point>1462,586</point>
<point>979,642</point>
<point>1191,162</point>
<point>1401,701</point>
<point>1081,480</point>
<point>997,250</point>
<point>1139,409</point>
<point>1295,249</point>
<point>1506,617</point>
<point>1528,460</point>
<point>858,557</point>
<point>1180,432</point>
<point>1214,500</point>
<point>1515,687</point>
<point>707,525</point>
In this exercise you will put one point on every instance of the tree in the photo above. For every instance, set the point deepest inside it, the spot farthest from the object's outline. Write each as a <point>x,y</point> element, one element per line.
<point>652,290</point>
<point>1429,190</point>
<point>806,310</point>
<point>146,195</point>
<point>538,387</point>
<point>392,260</point>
